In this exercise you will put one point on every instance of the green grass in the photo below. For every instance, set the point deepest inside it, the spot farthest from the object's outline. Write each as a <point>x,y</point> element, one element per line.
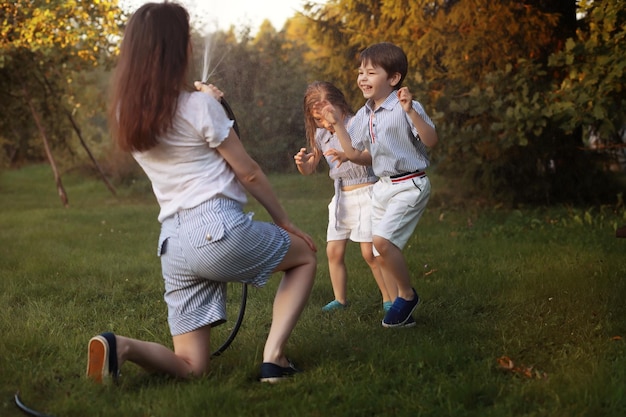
<point>544,287</point>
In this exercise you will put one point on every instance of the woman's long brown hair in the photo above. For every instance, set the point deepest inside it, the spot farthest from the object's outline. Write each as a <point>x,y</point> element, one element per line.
<point>315,93</point>
<point>150,74</point>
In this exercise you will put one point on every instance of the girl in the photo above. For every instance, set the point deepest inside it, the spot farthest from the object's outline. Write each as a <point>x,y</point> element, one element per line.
<point>200,173</point>
<point>349,209</point>
<point>392,133</point>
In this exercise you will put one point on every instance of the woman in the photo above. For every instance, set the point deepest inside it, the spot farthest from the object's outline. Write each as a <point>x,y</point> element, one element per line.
<point>200,173</point>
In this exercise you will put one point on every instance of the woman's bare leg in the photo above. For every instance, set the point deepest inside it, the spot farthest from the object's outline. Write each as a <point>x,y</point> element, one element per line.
<point>190,356</point>
<point>299,265</point>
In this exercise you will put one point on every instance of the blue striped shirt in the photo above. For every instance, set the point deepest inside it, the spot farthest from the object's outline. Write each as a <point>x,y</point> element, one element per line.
<point>348,172</point>
<point>390,137</point>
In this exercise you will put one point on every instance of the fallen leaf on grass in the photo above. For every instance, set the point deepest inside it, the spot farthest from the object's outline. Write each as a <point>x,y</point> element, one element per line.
<point>506,364</point>
<point>432,271</point>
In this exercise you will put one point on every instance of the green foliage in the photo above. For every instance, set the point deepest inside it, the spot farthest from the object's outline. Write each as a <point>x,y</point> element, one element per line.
<point>263,79</point>
<point>445,41</point>
<point>506,139</point>
<point>592,91</point>
<point>514,87</point>
<point>45,47</point>
<point>539,113</point>
<point>510,92</point>
<point>48,28</point>
<point>543,287</point>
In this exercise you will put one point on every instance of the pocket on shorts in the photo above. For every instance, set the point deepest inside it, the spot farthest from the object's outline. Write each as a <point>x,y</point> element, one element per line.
<point>421,187</point>
<point>417,184</point>
<point>206,234</point>
<point>162,247</point>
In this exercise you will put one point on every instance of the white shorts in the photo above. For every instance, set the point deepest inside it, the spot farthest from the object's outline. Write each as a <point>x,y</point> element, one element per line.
<point>351,217</point>
<point>397,207</point>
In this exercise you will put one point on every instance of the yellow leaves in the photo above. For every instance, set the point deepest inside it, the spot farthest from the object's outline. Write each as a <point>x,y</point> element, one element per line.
<point>89,27</point>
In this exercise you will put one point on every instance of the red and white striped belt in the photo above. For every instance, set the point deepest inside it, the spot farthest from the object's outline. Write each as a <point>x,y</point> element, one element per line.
<point>407,176</point>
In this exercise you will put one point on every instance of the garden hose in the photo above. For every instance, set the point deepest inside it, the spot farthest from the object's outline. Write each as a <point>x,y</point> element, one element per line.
<point>244,289</point>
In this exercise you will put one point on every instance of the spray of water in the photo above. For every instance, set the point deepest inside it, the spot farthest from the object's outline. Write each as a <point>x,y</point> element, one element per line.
<point>206,60</point>
<point>208,70</point>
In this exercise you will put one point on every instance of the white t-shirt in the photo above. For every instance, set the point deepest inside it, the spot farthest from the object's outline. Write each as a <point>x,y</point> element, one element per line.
<point>185,168</point>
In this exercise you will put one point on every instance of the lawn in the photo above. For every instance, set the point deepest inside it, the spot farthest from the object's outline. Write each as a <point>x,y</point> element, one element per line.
<point>523,312</point>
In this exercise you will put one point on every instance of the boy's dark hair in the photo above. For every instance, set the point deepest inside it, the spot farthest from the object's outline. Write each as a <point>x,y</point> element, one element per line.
<point>389,57</point>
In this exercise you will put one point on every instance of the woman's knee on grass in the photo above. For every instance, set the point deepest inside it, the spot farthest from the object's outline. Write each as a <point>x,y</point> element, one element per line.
<point>193,350</point>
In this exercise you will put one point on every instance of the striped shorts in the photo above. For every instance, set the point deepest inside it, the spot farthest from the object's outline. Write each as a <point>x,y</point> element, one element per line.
<point>204,248</point>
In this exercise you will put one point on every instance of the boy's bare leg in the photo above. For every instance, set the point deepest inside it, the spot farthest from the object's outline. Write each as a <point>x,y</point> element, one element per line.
<point>368,256</point>
<point>394,268</point>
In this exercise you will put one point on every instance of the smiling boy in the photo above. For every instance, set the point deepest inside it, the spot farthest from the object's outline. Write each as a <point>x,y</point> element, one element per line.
<point>392,133</point>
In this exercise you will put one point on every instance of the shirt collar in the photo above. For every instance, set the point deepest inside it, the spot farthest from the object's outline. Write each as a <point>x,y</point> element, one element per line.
<point>326,135</point>
<point>390,102</point>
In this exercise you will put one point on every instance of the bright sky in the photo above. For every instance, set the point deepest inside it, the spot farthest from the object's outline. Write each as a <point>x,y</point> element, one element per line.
<point>221,14</point>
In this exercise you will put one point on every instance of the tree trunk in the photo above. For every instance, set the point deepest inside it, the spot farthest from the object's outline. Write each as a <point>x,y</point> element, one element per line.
<point>46,144</point>
<point>84,144</point>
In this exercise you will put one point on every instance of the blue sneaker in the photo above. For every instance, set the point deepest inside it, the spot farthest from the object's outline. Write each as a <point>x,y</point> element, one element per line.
<point>409,323</point>
<point>272,373</point>
<point>400,312</point>
<point>387,306</point>
<point>334,305</point>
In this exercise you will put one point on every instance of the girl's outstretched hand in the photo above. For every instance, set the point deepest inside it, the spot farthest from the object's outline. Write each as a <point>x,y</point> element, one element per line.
<point>302,156</point>
<point>209,89</point>
<point>337,157</point>
<point>329,112</point>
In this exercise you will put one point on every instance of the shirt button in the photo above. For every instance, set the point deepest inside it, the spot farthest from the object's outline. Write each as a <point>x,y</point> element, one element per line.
<point>209,237</point>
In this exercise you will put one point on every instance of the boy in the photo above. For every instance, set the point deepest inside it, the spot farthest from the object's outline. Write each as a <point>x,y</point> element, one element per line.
<point>392,133</point>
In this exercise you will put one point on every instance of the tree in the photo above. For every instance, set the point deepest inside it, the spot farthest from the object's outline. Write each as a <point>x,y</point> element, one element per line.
<point>263,79</point>
<point>481,69</point>
<point>44,45</point>
<point>592,90</point>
